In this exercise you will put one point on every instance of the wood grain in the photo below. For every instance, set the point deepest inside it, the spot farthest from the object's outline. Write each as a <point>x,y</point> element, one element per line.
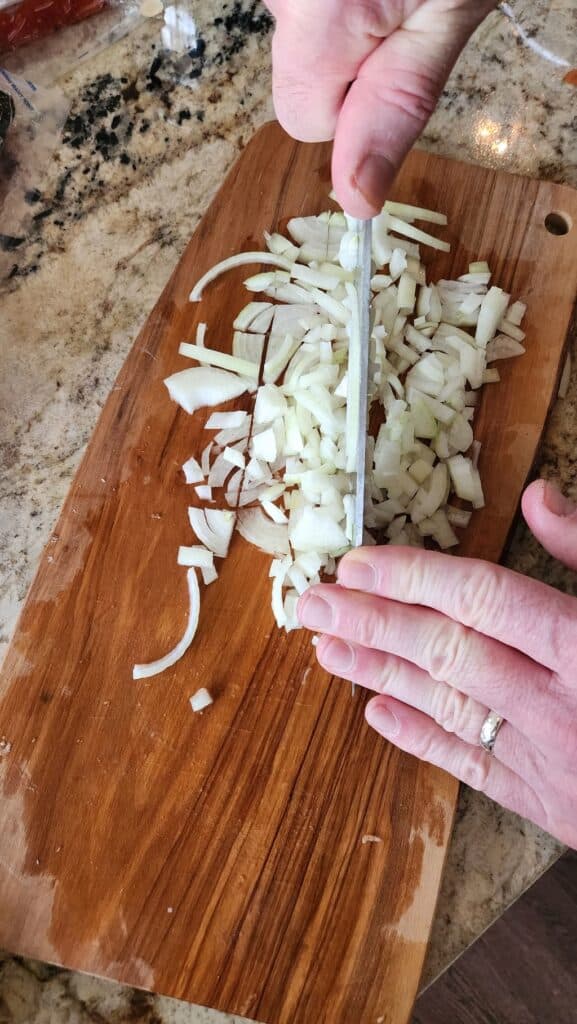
<point>218,857</point>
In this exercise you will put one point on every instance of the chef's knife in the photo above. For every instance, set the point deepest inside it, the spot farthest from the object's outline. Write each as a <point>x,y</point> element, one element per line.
<point>357,399</point>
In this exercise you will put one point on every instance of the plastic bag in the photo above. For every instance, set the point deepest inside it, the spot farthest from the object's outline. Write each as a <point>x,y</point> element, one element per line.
<point>23,21</point>
<point>34,108</point>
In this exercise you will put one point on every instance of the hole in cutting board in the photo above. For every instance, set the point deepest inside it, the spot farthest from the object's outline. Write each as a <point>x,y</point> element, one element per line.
<point>558,223</point>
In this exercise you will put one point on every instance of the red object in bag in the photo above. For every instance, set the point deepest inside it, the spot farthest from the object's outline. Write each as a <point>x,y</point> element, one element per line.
<point>27,20</point>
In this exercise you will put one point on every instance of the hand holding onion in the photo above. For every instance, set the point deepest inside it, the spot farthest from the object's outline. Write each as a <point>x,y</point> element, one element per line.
<point>440,639</point>
<point>369,75</point>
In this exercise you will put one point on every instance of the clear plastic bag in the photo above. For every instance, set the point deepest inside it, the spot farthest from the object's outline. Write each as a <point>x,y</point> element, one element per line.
<point>45,39</point>
<point>38,47</point>
<point>34,107</point>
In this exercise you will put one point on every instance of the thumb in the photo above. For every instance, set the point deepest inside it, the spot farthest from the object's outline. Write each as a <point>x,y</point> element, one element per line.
<point>392,98</point>
<point>553,520</point>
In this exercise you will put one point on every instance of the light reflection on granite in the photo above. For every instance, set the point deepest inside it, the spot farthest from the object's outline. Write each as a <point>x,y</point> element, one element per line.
<point>147,143</point>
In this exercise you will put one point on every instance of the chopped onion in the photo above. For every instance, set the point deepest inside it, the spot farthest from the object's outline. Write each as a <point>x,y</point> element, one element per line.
<point>254,313</point>
<point>226,420</point>
<point>314,526</point>
<point>264,445</point>
<point>491,313</point>
<point>248,347</point>
<point>411,213</point>
<point>154,668</point>
<point>220,470</point>
<point>408,231</point>
<point>197,556</point>
<point>209,574</point>
<point>213,527</point>
<point>240,260</point>
<point>516,312</point>
<point>205,459</point>
<point>231,436</point>
<point>193,473</point>
<point>503,347</point>
<point>430,347</point>
<point>201,700</point>
<point>258,529</point>
<point>233,456</point>
<point>203,386</point>
<point>221,359</point>
<point>274,512</point>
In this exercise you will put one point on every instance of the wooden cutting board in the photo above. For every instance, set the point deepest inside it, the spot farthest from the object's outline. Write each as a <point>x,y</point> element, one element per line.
<point>219,857</point>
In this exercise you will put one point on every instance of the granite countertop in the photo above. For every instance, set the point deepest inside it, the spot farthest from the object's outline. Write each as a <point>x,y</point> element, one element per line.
<point>90,237</point>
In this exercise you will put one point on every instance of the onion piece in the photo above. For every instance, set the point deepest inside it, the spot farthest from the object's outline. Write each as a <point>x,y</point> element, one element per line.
<point>233,436</point>
<point>491,313</point>
<point>408,213</point>
<point>240,260</point>
<point>197,556</point>
<point>153,668</point>
<point>408,231</point>
<point>193,473</point>
<point>249,347</point>
<point>213,527</point>
<point>258,530</point>
<point>503,347</point>
<point>219,472</point>
<point>203,386</point>
<point>516,312</point>
<point>209,574</point>
<point>255,312</point>
<point>226,420</point>
<point>317,529</point>
<point>201,700</point>
<point>274,512</point>
<point>235,457</point>
<point>205,458</point>
<point>511,330</point>
<point>459,517</point>
<point>281,246</point>
<point>221,359</point>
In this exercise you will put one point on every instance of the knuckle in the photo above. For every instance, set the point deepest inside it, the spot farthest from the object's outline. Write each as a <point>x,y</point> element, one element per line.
<point>369,627</point>
<point>565,736</point>
<point>413,95</point>
<point>475,768</point>
<point>559,632</point>
<point>447,651</point>
<point>452,711</point>
<point>413,572</point>
<point>388,676</point>
<point>372,18</point>
<point>477,590</point>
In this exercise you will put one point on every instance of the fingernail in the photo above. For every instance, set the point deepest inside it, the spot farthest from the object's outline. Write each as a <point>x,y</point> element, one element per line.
<point>338,656</point>
<point>556,502</point>
<point>357,574</point>
<point>383,720</point>
<point>315,612</point>
<point>373,177</point>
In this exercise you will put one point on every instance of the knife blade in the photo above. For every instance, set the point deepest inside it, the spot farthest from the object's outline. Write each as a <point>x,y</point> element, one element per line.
<point>357,398</point>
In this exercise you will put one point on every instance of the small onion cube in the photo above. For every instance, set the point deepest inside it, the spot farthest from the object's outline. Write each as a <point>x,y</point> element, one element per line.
<point>201,700</point>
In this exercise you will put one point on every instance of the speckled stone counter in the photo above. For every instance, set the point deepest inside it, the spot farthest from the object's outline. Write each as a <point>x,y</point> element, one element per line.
<point>148,139</point>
